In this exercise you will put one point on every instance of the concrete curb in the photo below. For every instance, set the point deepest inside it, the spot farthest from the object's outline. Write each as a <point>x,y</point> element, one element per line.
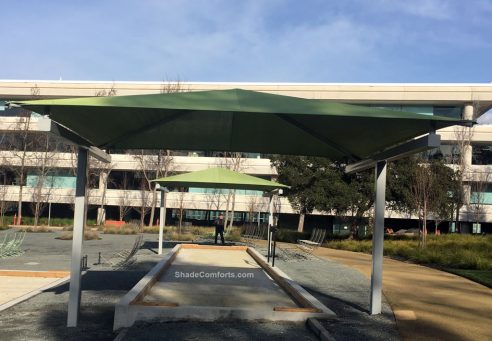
<point>121,335</point>
<point>317,328</point>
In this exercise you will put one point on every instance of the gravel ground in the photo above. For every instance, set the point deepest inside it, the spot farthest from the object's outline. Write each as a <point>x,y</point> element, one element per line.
<point>42,251</point>
<point>238,331</point>
<point>345,291</point>
<point>43,317</point>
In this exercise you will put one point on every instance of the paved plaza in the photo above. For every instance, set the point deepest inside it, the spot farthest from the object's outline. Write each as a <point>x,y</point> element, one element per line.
<point>424,300</point>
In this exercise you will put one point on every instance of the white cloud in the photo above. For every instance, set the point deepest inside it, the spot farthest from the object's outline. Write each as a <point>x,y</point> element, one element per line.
<point>434,9</point>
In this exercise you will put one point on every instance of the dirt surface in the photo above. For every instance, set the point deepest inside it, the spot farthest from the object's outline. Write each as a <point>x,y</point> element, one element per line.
<point>218,278</point>
<point>428,304</point>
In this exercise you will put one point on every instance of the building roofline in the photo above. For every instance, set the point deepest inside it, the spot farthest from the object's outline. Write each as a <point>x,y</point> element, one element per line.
<point>241,83</point>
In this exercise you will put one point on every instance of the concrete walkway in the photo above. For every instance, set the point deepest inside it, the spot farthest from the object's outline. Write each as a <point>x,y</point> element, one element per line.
<point>428,304</point>
<point>12,287</point>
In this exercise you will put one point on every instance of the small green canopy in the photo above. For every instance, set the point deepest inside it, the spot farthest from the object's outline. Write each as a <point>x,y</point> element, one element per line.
<point>237,120</point>
<point>219,178</point>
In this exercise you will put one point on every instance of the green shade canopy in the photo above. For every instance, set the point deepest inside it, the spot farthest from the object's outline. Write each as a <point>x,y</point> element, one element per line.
<point>219,178</point>
<point>237,120</point>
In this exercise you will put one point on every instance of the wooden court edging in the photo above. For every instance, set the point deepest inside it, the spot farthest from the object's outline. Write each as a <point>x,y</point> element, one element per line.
<point>43,274</point>
<point>298,293</point>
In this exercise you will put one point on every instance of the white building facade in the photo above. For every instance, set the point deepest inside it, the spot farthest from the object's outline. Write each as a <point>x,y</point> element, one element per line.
<point>453,100</point>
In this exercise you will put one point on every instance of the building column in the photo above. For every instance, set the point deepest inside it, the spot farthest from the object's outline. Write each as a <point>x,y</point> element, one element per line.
<point>378,239</point>
<point>468,111</point>
<point>79,220</point>
<point>468,114</point>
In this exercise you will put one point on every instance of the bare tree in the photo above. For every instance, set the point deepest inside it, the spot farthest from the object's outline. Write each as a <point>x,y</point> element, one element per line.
<point>181,207</point>
<point>156,163</point>
<point>152,165</point>
<point>124,206</point>
<point>253,207</point>
<point>235,162</point>
<point>44,179</point>
<point>112,91</point>
<point>213,200</point>
<point>461,159</point>
<point>477,200</point>
<point>100,171</point>
<point>168,87</point>
<point>422,196</point>
<point>4,203</point>
<point>20,144</point>
<point>144,200</point>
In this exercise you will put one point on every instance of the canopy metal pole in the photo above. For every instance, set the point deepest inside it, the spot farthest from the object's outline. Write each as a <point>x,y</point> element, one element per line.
<point>378,239</point>
<point>162,218</point>
<point>270,224</point>
<point>79,219</point>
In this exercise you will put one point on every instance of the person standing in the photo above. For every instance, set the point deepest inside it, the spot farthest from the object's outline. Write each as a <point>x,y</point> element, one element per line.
<point>219,228</point>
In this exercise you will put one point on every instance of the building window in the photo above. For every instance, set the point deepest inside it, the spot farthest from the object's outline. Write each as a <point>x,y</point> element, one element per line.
<point>482,155</point>
<point>449,153</point>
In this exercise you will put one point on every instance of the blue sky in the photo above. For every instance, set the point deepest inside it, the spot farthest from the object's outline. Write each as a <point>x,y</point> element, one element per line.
<point>250,41</point>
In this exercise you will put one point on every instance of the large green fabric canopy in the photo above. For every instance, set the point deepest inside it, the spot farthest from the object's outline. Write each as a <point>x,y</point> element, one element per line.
<point>237,120</point>
<point>219,178</point>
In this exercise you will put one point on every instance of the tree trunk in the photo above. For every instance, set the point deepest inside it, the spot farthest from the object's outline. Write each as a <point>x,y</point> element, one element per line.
<point>226,215</point>
<point>19,204</point>
<point>180,219</point>
<point>36,214</point>
<point>424,225</point>
<point>300,225</point>
<point>457,221</point>
<point>232,209</point>
<point>101,210</point>
<point>142,216</point>
<point>154,204</point>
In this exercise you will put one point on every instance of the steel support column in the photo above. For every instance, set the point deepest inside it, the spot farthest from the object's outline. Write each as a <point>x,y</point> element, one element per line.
<point>162,218</point>
<point>378,239</point>
<point>79,220</point>
<point>270,224</point>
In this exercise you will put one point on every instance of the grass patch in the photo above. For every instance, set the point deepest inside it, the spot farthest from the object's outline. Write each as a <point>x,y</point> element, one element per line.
<point>62,222</point>
<point>453,251</point>
<point>33,229</point>
<point>480,276</point>
<point>88,235</point>
<point>123,230</point>
<point>4,228</point>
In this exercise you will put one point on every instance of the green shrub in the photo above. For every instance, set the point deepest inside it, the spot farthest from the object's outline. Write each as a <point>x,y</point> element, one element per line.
<point>88,235</point>
<point>151,229</point>
<point>291,236</point>
<point>450,250</point>
<point>39,229</point>
<point>63,222</point>
<point>123,230</point>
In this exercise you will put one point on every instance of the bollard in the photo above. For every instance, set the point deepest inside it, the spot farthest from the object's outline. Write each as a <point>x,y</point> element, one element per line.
<point>273,256</point>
